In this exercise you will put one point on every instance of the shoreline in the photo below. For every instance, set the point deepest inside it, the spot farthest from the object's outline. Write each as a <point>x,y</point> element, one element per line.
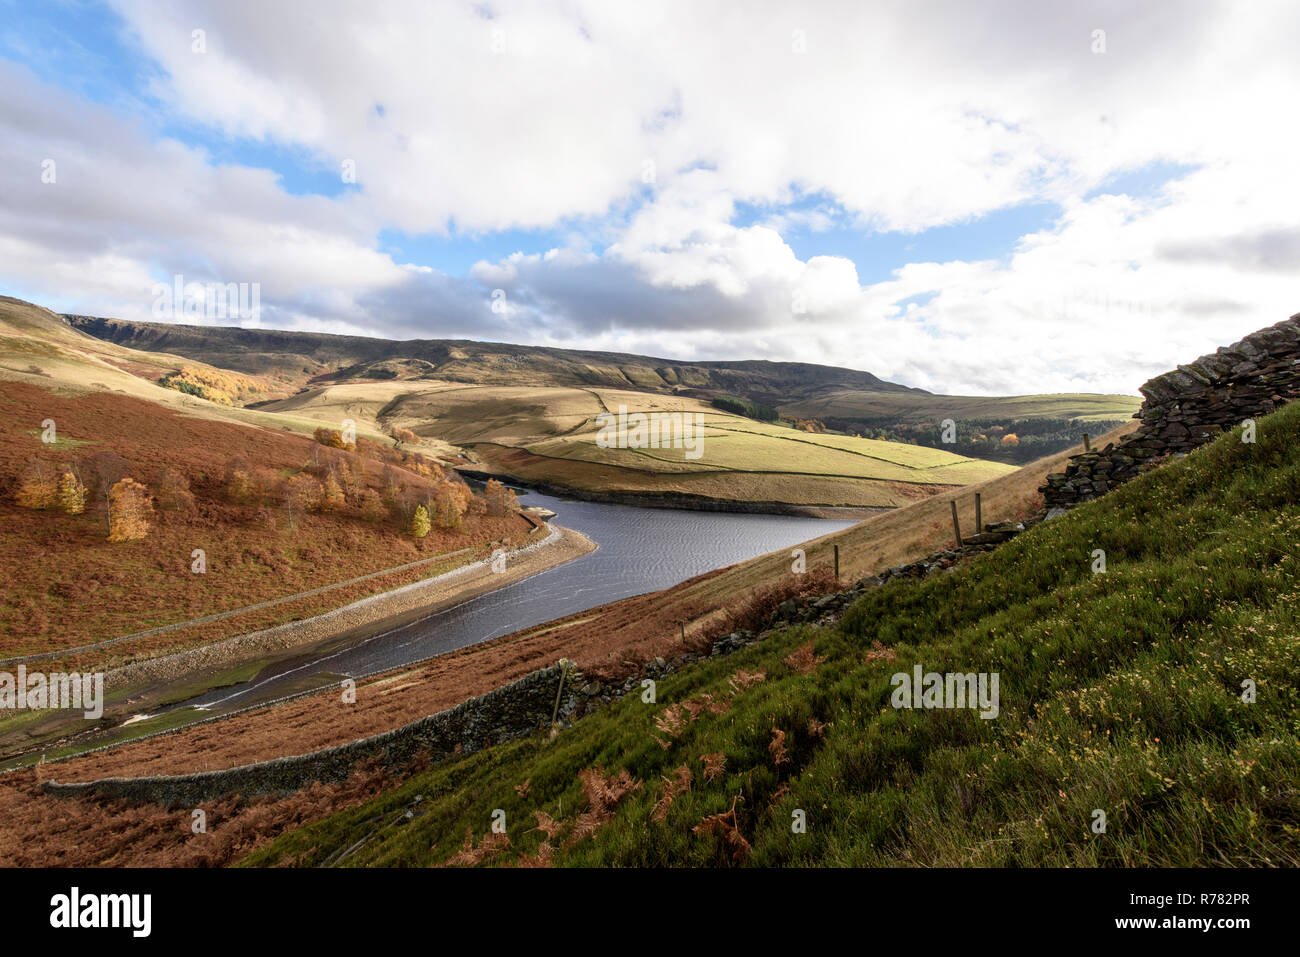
<point>679,500</point>
<point>152,683</point>
<point>365,617</point>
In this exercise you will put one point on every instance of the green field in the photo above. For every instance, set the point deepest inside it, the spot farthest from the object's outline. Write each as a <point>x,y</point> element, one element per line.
<point>733,443</point>
<point>558,429</point>
<point>1120,692</point>
<point>913,407</point>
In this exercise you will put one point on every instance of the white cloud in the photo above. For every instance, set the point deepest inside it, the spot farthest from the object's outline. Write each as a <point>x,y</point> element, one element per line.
<point>896,117</point>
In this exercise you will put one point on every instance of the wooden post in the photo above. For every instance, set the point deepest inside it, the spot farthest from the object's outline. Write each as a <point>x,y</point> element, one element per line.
<point>956,528</point>
<point>837,563</point>
<point>555,712</point>
<point>1087,442</point>
<point>979,517</point>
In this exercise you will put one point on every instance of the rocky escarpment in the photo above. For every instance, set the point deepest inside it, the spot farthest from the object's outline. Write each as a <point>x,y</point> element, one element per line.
<point>1188,407</point>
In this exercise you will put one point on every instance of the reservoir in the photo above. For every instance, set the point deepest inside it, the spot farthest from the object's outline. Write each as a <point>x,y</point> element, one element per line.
<point>640,550</point>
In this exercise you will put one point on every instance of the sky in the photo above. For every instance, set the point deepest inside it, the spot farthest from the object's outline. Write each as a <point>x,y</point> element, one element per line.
<point>982,198</point>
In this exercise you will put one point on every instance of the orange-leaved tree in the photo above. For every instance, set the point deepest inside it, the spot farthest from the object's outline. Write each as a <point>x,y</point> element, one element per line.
<point>500,500</point>
<point>39,486</point>
<point>129,511</point>
<point>331,495</point>
<point>72,494</point>
<point>451,504</point>
<point>174,493</point>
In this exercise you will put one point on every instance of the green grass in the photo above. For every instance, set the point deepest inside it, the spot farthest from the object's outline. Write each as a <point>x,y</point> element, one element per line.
<point>732,443</point>
<point>1120,692</point>
<point>911,406</point>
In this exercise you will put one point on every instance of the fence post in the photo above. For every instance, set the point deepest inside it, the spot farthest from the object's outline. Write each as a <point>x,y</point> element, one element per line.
<point>564,671</point>
<point>956,528</point>
<point>837,563</point>
<point>979,517</point>
<point>1087,442</point>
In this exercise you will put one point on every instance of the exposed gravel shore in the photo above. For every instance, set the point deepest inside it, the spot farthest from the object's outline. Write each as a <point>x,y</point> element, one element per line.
<point>367,616</point>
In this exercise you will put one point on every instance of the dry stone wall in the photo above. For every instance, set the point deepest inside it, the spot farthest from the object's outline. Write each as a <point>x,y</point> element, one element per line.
<point>1188,407</point>
<point>511,711</point>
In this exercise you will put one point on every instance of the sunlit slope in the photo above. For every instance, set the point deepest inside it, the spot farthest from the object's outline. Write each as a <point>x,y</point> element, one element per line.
<point>1161,692</point>
<point>39,348</point>
<point>870,406</point>
<point>559,436</point>
<point>317,356</point>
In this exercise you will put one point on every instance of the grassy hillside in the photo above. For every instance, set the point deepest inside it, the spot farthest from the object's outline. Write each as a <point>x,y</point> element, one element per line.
<point>549,435</point>
<point>609,642</point>
<point>1120,692</point>
<point>528,412</point>
<point>39,348</point>
<point>919,406</point>
<point>275,513</point>
<point>1041,424</point>
<point>301,356</point>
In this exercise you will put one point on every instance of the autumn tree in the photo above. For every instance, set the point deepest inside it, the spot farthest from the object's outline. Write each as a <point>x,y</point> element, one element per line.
<point>174,493</point>
<point>420,522</point>
<point>301,493</point>
<point>350,475</point>
<point>392,487</point>
<point>372,506</point>
<point>240,484</point>
<point>39,486</point>
<point>1010,439</point>
<point>500,500</point>
<point>129,511</point>
<point>72,494</point>
<point>331,495</point>
<point>450,506</point>
<point>108,468</point>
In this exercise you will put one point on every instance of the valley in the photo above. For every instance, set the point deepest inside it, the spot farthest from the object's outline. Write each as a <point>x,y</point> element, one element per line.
<point>613,613</point>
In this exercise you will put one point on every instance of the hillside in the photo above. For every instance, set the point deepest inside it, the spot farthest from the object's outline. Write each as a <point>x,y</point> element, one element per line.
<point>303,356</point>
<point>610,643</point>
<point>1120,692</point>
<point>548,437</point>
<point>846,400</point>
<point>141,521</point>
<point>1039,424</point>
<point>529,414</point>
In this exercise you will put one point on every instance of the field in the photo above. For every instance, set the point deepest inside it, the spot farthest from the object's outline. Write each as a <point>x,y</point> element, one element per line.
<point>1121,692</point>
<point>1011,429</point>
<point>912,407</point>
<point>549,435</point>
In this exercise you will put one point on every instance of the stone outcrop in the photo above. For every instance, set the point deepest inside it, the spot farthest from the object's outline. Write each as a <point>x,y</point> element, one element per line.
<point>1188,407</point>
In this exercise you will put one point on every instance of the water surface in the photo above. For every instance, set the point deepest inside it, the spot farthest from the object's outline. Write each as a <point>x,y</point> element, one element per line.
<point>640,550</point>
